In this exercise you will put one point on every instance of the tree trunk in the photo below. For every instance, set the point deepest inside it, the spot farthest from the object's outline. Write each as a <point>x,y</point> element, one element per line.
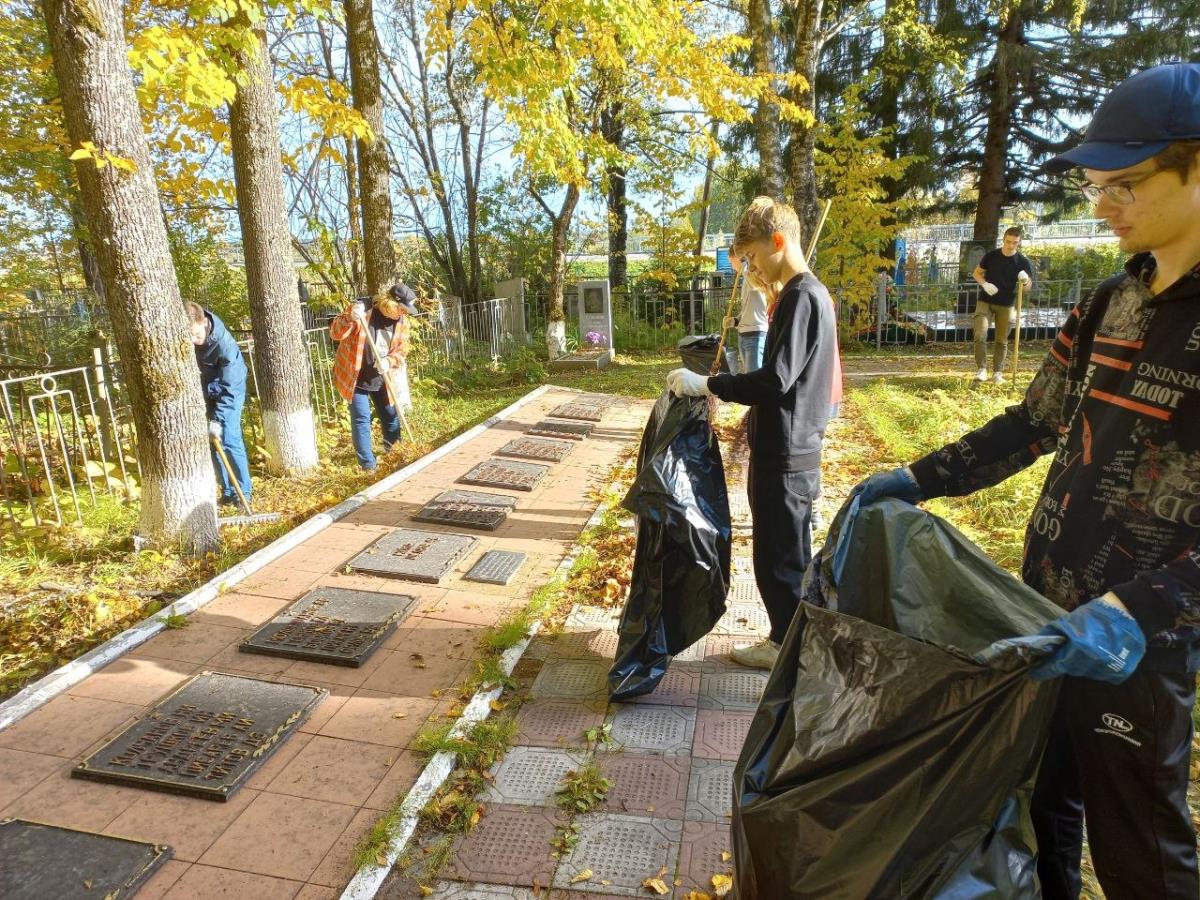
<point>88,263</point>
<point>556,326</point>
<point>281,357</point>
<point>1001,102</point>
<point>767,135</point>
<point>358,283</point>
<point>706,193</point>
<point>612,127</point>
<point>801,175</point>
<point>375,194</point>
<point>157,356</point>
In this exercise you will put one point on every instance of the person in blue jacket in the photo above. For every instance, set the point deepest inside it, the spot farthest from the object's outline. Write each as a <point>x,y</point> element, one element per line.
<point>223,378</point>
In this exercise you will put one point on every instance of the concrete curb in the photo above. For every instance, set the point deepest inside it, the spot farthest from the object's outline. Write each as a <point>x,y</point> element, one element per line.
<point>368,880</point>
<point>65,677</point>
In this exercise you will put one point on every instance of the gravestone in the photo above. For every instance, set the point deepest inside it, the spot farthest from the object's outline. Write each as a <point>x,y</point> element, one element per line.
<point>413,555</point>
<point>472,509</point>
<point>46,862</point>
<point>496,567</point>
<point>572,431</point>
<point>205,738</point>
<point>504,473</point>
<point>535,448</point>
<point>331,625</point>
<point>594,314</point>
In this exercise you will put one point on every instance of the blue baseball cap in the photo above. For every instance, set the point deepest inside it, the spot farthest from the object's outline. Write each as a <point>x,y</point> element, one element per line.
<point>1140,117</point>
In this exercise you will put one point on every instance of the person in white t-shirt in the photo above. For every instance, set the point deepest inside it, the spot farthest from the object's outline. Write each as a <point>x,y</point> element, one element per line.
<point>751,322</point>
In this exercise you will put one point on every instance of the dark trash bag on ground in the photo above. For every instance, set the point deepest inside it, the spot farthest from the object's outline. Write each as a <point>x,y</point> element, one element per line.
<point>699,351</point>
<point>894,751</point>
<point>681,560</point>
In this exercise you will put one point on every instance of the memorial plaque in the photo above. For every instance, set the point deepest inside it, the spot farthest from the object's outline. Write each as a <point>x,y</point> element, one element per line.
<point>496,567</point>
<point>572,431</point>
<point>45,862</point>
<point>535,448</point>
<point>331,625</point>
<point>473,509</point>
<point>413,555</point>
<point>585,411</point>
<point>205,738</point>
<point>503,473</point>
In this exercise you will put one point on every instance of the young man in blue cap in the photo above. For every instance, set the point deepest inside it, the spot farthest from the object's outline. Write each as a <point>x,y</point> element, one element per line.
<point>1115,531</point>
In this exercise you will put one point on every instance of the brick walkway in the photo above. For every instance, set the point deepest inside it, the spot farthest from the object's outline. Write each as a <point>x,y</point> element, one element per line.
<point>670,762</point>
<point>291,830</point>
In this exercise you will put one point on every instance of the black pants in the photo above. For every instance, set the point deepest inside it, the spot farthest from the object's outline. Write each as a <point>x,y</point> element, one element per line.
<point>781,510</point>
<point>1119,754</point>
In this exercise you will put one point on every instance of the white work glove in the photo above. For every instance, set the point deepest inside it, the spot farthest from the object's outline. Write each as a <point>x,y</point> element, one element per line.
<point>728,322</point>
<point>358,309</point>
<point>384,366</point>
<point>686,383</point>
<point>990,289</point>
<point>1024,278</point>
<point>214,430</point>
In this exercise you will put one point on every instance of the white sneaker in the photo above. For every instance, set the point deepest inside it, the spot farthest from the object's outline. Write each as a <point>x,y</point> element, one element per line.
<point>997,378</point>
<point>757,656</point>
<point>981,375</point>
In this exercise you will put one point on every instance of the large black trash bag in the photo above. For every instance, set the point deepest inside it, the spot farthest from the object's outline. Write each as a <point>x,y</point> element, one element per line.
<point>681,559</point>
<point>894,751</point>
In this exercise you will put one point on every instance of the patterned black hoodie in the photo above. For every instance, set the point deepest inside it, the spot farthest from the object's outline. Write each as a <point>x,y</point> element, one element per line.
<point>1117,401</point>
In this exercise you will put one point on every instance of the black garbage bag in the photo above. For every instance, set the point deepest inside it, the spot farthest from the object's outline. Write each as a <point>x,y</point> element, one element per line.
<point>699,351</point>
<point>681,559</point>
<point>894,751</point>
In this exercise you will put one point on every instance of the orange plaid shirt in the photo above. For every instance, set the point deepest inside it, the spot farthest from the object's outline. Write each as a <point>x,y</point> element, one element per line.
<point>352,344</point>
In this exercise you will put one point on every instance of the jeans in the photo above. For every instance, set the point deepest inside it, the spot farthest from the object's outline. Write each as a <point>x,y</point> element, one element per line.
<point>360,424</point>
<point>1003,316</point>
<point>781,532</point>
<point>751,346</point>
<point>235,451</point>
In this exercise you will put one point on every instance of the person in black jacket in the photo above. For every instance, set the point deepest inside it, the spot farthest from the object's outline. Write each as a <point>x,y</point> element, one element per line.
<point>789,408</point>
<point>223,377</point>
<point>1114,538</point>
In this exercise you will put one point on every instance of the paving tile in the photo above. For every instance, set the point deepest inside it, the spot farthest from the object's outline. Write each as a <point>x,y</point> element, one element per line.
<point>72,803</point>
<point>337,868</point>
<point>163,880</point>
<point>732,689</point>
<point>278,580</point>
<point>398,780</point>
<point>67,725</point>
<point>622,850</point>
<point>21,772</point>
<point>142,681</point>
<point>279,760</point>
<point>744,618</point>
<point>645,784</point>
<point>240,609</point>
<point>316,892</point>
<point>571,679</point>
<point>530,776</point>
<point>401,673</point>
<point>380,718</point>
<point>744,590</point>
<point>657,729</point>
<point>210,883</point>
<point>510,845</point>
<point>710,791</point>
<point>285,837</point>
<point>189,825</point>
<point>721,734</point>
<point>305,671</point>
<point>434,637</point>
<point>453,890</point>
<point>336,770</point>
<point>469,607</point>
<point>234,661</point>
<point>592,618</point>
<point>717,648</point>
<point>679,687</point>
<point>700,856</point>
<point>597,644</point>
<point>197,643</point>
<point>313,557</point>
<point>327,708</point>
<point>558,723</point>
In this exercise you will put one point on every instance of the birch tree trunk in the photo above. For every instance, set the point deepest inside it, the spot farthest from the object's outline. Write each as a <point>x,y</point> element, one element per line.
<point>281,357</point>
<point>178,497</point>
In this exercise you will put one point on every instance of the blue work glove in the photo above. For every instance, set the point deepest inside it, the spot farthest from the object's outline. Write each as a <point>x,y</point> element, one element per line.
<point>1102,642</point>
<point>898,483</point>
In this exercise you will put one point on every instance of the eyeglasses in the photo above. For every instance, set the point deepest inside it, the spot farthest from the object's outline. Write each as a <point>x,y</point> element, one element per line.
<point>1120,194</point>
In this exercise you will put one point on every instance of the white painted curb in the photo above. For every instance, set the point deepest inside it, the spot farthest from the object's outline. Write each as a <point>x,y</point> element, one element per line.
<point>369,879</point>
<point>51,685</point>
